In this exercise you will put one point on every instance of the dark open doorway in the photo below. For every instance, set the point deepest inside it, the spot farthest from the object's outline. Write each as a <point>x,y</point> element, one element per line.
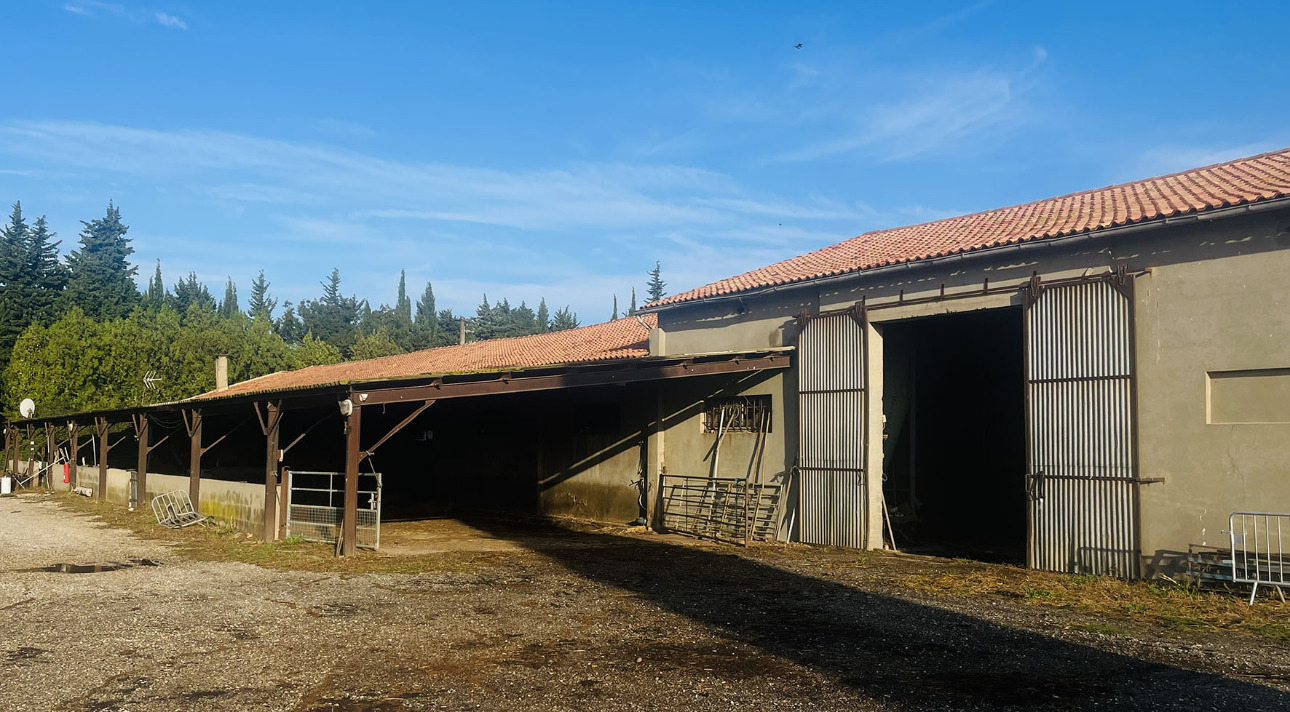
<point>954,444</point>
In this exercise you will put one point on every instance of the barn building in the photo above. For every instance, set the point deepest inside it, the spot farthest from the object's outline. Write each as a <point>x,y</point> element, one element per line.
<point>1087,383</point>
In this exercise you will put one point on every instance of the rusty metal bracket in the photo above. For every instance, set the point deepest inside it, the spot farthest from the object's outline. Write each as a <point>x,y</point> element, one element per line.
<point>406,421</point>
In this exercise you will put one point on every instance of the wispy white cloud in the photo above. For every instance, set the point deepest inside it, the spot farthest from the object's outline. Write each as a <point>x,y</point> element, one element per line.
<point>913,114</point>
<point>586,195</point>
<point>92,8</point>
<point>570,233</point>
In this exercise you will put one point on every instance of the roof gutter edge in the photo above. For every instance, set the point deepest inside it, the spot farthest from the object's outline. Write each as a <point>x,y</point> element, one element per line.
<point>1215,214</point>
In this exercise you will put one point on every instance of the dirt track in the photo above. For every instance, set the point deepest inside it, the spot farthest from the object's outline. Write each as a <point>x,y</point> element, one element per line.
<point>548,619</point>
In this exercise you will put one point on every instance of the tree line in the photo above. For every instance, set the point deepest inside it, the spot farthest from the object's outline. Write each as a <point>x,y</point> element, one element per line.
<point>77,333</point>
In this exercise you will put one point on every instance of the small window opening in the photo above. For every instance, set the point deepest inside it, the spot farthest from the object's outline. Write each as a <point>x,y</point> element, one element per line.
<point>743,414</point>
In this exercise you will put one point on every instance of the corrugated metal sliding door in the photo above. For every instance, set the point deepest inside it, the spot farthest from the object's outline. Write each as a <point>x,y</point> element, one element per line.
<point>831,447</point>
<point>1083,482</point>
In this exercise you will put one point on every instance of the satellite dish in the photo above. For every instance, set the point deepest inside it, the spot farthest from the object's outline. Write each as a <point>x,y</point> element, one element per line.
<point>26,408</point>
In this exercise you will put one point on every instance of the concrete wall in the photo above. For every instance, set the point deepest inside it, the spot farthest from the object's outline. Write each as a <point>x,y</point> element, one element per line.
<point>1214,305</point>
<point>236,504</point>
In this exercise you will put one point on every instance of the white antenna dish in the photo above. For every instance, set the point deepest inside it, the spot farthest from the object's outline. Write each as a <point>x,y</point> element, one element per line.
<point>26,408</point>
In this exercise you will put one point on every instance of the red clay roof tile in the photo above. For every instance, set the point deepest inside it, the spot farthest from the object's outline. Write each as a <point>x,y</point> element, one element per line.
<point>1238,182</point>
<point>618,339</point>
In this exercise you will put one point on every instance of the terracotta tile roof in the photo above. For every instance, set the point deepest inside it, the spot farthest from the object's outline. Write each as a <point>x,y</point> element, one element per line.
<point>618,339</point>
<point>1242,181</point>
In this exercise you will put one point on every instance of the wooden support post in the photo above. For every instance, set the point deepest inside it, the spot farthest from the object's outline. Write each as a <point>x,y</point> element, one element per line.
<point>193,423</point>
<point>141,427</point>
<point>269,423</point>
<point>101,429</point>
<point>50,455</point>
<point>31,454</point>
<point>353,453</point>
<point>73,449</point>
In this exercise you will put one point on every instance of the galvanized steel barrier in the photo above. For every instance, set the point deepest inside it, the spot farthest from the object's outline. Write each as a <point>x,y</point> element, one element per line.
<point>315,507</point>
<point>1258,549</point>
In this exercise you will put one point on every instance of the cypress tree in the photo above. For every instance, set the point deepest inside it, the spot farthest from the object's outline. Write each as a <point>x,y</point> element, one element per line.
<point>156,294</point>
<point>228,307</point>
<point>261,305</point>
<point>615,316</point>
<point>403,307</point>
<point>426,314</point>
<point>656,284</point>
<point>543,317</point>
<point>632,309</point>
<point>101,282</point>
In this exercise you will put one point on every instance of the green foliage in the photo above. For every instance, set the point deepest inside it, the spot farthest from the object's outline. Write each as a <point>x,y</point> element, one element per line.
<point>334,318</point>
<point>261,305</point>
<point>403,307</point>
<point>80,335</point>
<point>375,345</point>
<point>314,352</point>
<point>189,293</point>
<point>564,319</point>
<point>155,297</point>
<point>228,306</point>
<point>654,288</point>
<point>101,280</point>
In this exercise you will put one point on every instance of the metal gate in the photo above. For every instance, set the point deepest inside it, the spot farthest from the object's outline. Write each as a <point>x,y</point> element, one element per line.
<point>315,507</point>
<point>1083,480</point>
<point>832,502</point>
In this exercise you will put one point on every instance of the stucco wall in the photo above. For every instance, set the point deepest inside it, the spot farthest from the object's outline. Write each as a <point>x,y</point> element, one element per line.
<point>1216,299</point>
<point>1195,316</point>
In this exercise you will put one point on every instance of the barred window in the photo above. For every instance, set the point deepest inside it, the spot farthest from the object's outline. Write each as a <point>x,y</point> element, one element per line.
<point>743,414</point>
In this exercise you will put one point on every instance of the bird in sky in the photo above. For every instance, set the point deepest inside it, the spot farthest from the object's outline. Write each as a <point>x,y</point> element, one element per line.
<point>797,46</point>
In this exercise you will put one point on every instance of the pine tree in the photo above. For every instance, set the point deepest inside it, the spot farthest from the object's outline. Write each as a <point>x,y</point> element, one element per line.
<point>101,282</point>
<point>403,307</point>
<point>155,297</point>
<point>261,305</point>
<point>564,319</point>
<point>543,317</point>
<point>40,278</point>
<point>334,318</point>
<point>615,316</point>
<point>13,247</point>
<point>228,307</point>
<point>656,284</point>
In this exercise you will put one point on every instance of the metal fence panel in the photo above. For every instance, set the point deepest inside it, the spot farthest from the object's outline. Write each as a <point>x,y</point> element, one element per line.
<point>1083,480</point>
<point>315,507</point>
<point>831,415</point>
<point>1259,550</point>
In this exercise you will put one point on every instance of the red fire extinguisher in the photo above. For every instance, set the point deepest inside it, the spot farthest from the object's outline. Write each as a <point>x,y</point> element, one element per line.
<point>67,473</point>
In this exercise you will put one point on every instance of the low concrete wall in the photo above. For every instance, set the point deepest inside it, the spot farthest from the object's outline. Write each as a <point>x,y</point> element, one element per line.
<point>236,504</point>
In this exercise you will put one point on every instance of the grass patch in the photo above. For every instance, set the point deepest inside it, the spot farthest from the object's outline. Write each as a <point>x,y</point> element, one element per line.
<point>1116,602</point>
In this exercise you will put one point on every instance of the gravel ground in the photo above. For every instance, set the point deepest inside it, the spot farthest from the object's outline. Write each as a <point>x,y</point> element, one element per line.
<point>616,623</point>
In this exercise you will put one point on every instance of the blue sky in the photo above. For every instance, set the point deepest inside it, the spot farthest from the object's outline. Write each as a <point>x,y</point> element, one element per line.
<point>534,149</point>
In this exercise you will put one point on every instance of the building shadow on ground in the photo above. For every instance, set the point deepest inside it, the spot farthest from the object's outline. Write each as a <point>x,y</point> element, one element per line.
<point>914,655</point>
